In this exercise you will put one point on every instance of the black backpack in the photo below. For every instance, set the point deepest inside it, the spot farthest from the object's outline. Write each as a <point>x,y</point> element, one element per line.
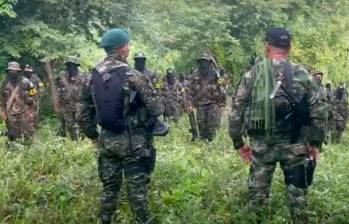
<point>108,95</point>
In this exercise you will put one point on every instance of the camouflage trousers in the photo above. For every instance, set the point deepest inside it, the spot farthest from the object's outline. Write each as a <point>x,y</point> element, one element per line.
<point>173,110</point>
<point>70,123</point>
<point>208,119</point>
<point>298,174</point>
<point>118,163</point>
<point>33,117</point>
<point>338,129</point>
<point>19,127</point>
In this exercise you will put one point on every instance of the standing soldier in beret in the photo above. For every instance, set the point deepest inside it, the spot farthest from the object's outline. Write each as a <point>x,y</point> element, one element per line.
<point>124,104</point>
<point>207,94</point>
<point>68,86</point>
<point>35,107</point>
<point>273,102</point>
<point>17,95</point>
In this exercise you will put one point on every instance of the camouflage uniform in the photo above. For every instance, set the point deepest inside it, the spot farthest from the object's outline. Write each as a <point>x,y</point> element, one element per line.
<point>39,86</point>
<point>122,157</point>
<point>172,97</point>
<point>208,96</point>
<point>140,65</point>
<point>67,93</point>
<point>16,99</point>
<point>280,146</point>
<point>341,112</point>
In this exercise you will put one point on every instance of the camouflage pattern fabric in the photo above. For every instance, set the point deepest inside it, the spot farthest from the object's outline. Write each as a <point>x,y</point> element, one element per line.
<point>35,107</point>
<point>341,112</point>
<point>68,91</point>
<point>208,120</point>
<point>18,112</point>
<point>267,152</point>
<point>265,158</point>
<point>123,157</point>
<point>208,96</point>
<point>151,77</point>
<point>172,96</point>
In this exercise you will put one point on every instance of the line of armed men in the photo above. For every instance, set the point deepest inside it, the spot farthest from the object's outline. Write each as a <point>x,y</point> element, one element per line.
<point>281,107</point>
<point>204,89</point>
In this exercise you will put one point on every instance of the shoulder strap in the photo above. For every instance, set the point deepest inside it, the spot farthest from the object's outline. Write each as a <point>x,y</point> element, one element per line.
<point>288,73</point>
<point>12,98</point>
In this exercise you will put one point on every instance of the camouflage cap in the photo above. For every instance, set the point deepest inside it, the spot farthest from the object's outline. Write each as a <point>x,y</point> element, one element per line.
<point>205,56</point>
<point>28,68</point>
<point>13,66</point>
<point>140,55</point>
<point>72,59</point>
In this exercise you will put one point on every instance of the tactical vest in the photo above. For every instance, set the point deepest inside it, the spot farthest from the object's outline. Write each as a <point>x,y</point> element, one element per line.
<point>277,103</point>
<point>108,95</point>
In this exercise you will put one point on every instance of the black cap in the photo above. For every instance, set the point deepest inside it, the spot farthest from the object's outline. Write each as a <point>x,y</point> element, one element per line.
<point>140,55</point>
<point>278,37</point>
<point>169,71</point>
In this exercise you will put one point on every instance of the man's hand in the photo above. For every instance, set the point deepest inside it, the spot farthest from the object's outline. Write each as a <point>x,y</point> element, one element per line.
<point>3,116</point>
<point>313,153</point>
<point>246,153</point>
<point>190,109</point>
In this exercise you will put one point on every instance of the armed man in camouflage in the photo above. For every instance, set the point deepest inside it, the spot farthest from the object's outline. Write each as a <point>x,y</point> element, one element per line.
<point>123,103</point>
<point>140,65</point>
<point>17,96</point>
<point>318,77</point>
<point>172,94</point>
<point>68,86</point>
<point>39,86</point>
<point>273,101</point>
<point>341,111</point>
<point>207,95</point>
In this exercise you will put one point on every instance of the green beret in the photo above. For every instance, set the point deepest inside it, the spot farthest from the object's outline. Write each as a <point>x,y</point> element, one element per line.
<point>115,38</point>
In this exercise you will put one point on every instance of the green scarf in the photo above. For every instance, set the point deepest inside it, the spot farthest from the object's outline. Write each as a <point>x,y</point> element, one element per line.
<point>262,111</point>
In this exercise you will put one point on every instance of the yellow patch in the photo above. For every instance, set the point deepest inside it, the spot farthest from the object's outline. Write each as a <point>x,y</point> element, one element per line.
<point>32,92</point>
<point>157,85</point>
<point>41,84</point>
<point>220,81</point>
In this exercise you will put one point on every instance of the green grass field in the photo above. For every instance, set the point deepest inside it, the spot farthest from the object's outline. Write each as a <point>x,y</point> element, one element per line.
<point>55,181</point>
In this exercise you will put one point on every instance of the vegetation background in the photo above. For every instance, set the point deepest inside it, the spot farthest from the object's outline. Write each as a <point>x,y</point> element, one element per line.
<point>55,180</point>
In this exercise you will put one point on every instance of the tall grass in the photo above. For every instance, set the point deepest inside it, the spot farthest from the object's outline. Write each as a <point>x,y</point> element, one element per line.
<point>55,181</point>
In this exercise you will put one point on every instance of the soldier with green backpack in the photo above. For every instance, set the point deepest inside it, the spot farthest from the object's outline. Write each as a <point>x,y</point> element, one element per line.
<point>274,101</point>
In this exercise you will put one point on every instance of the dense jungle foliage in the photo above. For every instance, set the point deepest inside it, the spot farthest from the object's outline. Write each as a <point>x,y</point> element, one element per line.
<point>55,180</point>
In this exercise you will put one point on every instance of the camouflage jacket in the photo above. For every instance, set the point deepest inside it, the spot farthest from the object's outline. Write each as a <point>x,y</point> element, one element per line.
<point>39,85</point>
<point>204,92</point>
<point>135,81</point>
<point>151,76</point>
<point>174,92</point>
<point>19,102</point>
<point>68,90</point>
<point>303,87</point>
